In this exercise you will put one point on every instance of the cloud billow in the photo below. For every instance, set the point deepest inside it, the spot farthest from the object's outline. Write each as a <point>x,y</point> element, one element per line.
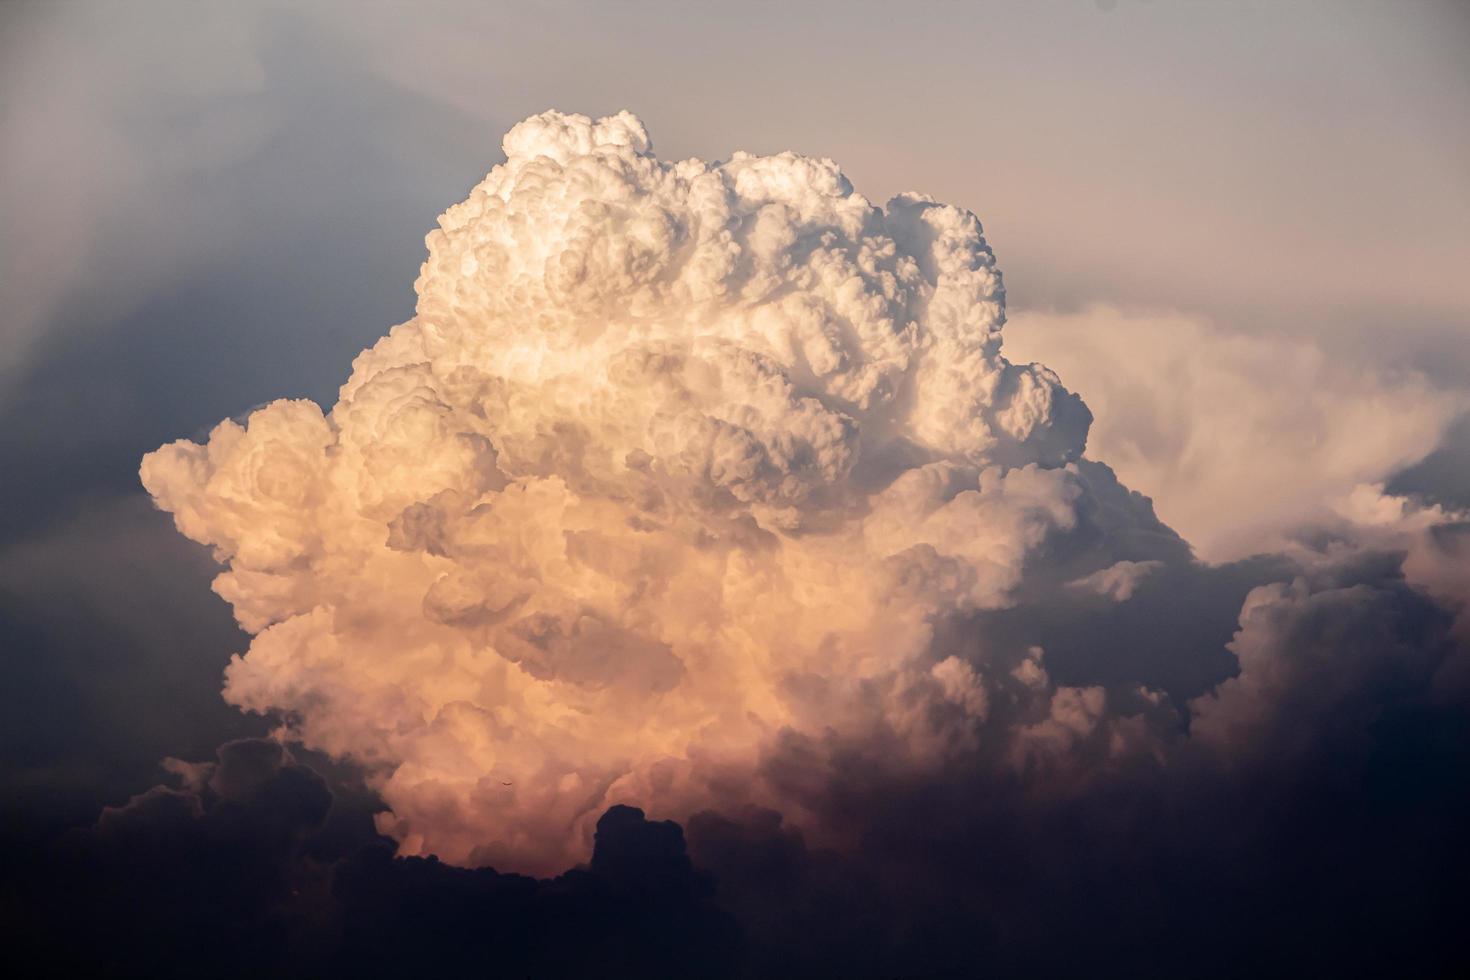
<point>672,458</point>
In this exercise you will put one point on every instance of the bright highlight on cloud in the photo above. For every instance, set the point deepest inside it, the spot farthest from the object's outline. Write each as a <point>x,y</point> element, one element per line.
<point>682,474</point>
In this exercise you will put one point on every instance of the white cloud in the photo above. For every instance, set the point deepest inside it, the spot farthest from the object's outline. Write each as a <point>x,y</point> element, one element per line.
<point>673,456</point>
<point>1238,439</point>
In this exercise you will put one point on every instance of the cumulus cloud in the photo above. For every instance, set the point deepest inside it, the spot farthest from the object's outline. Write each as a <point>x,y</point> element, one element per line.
<point>672,457</point>
<point>1314,787</point>
<point>1371,615</point>
<point>696,486</point>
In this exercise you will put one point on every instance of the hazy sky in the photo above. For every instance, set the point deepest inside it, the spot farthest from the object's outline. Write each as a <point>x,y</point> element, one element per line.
<point>1264,163</point>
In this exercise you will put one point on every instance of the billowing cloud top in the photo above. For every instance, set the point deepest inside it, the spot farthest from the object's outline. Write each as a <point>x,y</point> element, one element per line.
<point>673,458</point>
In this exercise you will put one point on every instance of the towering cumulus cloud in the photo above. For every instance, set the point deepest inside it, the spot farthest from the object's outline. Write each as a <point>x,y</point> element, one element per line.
<point>673,462</point>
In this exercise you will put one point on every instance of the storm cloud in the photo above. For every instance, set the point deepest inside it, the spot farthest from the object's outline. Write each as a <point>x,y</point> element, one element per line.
<point>711,576</point>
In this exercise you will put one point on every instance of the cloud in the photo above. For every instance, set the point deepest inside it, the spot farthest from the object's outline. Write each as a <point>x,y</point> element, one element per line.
<point>707,488</point>
<point>1442,477</point>
<point>1077,751</point>
<point>1239,439</point>
<point>1301,811</point>
<point>1117,581</point>
<point>259,865</point>
<point>672,457</point>
<point>113,650</point>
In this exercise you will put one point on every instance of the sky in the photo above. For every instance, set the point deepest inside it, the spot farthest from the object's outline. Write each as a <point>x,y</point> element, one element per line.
<point>1233,230</point>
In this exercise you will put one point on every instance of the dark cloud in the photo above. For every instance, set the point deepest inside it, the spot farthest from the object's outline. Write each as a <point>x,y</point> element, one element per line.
<point>1324,840</point>
<point>1348,866</point>
<point>111,648</point>
<point>1171,632</point>
<point>639,909</point>
<point>1320,834</point>
<point>1311,828</point>
<point>1442,477</point>
<point>257,868</point>
<point>179,881</point>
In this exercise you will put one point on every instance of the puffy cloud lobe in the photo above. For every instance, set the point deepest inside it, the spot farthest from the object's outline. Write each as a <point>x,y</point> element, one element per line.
<point>1373,619</point>
<point>672,456</point>
<point>1313,657</point>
